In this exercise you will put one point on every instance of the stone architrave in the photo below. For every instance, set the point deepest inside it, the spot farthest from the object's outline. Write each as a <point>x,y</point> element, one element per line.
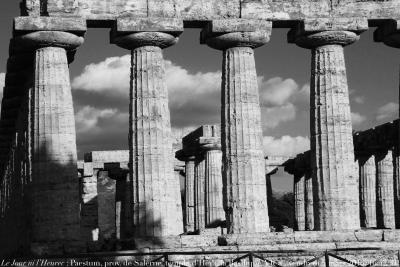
<point>334,171</point>
<point>156,193</point>
<point>241,132</point>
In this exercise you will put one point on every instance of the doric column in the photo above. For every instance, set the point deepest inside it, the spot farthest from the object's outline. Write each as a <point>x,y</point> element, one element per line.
<point>309,202</point>
<point>199,194</point>
<point>335,177</point>
<point>241,132</point>
<point>156,193</point>
<point>385,194</point>
<point>389,34</point>
<point>189,193</point>
<point>299,200</point>
<point>396,164</point>
<point>54,187</point>
<point>214,210</point>
<point>121,176</point>
<point>367,191</point>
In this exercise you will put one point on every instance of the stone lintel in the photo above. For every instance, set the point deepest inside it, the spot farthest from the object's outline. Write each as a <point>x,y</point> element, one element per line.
<point>30,24</point>
<point>192,141</point>
<point>209,141</point>
<point>315,25</point>
<point>173,26</point>
<point>116,170</point>
<point>272,163</point>
<point>220,27</point>
<point>107,156</point>
<point>238,25</point>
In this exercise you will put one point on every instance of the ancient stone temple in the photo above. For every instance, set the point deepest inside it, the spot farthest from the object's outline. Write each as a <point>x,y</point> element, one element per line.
<point>51,204</point>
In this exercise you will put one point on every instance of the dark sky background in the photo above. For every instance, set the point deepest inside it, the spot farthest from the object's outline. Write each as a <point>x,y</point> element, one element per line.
<point>100,82</point>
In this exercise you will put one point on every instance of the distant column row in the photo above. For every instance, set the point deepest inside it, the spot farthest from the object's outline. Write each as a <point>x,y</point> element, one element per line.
<point>203,208</point>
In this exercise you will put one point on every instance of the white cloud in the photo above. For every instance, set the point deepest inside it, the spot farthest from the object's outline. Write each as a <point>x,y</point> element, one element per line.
<point>110,76</point>
<point>359,99</point>
<point>273,116</point>
<point>87,118</point>
<point>276,91</point>
<point>194,98</point>
<point>279,92</point>
<point>388,111</point>
<point>357,118</point>
<point>286,145</point>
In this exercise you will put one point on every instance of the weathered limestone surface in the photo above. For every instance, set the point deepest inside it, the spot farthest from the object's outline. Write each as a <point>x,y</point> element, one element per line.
<point>335,179</point>
<point>203,10</point>
<point>241,133</point>
<point>299,201</point>
<point>189,194</point>
<point>385,193</point>
<point>199,195</point>
<point>55,205</point>
<point>203,147</point>
<point>309,199</point>
<point>106,196</point>
<point>214,213</point>
<point>367,191</point>
<point>396,164</point>
<point>157,207</point>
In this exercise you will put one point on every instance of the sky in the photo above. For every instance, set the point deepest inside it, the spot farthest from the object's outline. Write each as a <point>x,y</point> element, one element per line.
<point>100,86</point>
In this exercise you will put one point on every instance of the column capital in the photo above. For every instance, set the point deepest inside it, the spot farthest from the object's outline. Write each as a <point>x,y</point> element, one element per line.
<point>312,33</point>
<point>41,39</point>
<point>160,32</point>
<point>229,33</point>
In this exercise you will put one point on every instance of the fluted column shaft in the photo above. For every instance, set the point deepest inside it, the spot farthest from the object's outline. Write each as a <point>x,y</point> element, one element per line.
<point>213,182</point>
<point>396,163</point>
<point>55,201</point>
<point>332,143</point>
<point>244,170</point>
<point>199,194</point>
<point>156,201</point>
<point>244,183</point>
<point>385,192</point>
<point>189,193</point>
<point>299,201</point>
<point>309,202</point>
<point>53,191</point>
<point>368,191</point>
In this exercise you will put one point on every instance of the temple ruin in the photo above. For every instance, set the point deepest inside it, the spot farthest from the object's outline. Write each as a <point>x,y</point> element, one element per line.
<point>346,187</point>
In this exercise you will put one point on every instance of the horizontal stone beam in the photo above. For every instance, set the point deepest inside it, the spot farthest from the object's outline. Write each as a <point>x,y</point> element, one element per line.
<point>107,156</point>
<point>239,25</point>
<point>128,25</point>
<point>76,25</point>
<point>315,25</point>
